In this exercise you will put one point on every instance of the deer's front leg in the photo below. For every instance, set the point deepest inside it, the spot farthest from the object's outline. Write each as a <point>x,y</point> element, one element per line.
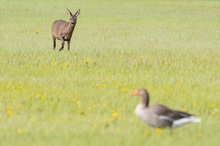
<point>68,42</point>
<point>62,44</point>
<point>54,42</point>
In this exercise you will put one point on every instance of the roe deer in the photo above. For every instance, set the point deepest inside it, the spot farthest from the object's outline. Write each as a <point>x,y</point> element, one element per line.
<point>63,30</point>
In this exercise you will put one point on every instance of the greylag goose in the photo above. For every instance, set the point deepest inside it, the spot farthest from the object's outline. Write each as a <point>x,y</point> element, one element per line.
<point>160,116</point>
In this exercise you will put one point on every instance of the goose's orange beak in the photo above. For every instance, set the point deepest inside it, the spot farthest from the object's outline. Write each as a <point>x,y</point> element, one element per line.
<point>134,93</point>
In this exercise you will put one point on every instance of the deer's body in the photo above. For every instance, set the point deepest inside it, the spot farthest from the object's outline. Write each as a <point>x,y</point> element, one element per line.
<point>63,30</point>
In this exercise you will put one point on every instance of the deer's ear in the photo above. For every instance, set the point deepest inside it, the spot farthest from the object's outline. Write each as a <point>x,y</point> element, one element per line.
<point>77,13</point>
<point>69,13</point>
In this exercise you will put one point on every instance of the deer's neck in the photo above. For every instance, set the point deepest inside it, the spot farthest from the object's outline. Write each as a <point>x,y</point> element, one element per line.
<point>70,28</point>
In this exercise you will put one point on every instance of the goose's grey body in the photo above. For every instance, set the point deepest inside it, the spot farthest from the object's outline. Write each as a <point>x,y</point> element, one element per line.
<point>160,116</point>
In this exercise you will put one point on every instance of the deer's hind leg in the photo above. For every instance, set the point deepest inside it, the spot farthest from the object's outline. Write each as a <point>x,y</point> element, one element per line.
<point>54,42</point>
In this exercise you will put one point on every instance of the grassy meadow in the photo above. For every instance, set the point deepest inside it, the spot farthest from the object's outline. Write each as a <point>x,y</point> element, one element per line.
<point>82,97</point>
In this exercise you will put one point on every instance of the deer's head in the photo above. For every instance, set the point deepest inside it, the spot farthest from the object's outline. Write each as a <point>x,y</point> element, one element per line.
<point>73,18</point>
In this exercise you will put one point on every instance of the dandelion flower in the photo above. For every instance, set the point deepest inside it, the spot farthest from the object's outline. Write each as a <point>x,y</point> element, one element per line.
<point>50,103</point>
<point>66,65</point>
<point>78,104</point>
<point>120,133</point>
<point>20,131</point>
<point>9,112</point>
<point>36,31</point>
<point>158,130</point>
<point>194,105</point>
<point>182,109</point>
<point>108,120</point>
<point>146,132</point>
<point>200,135</point>
<point>115,115</point>
<point>38,95</point>
<point>212,106</point>
<point>214,111</point>
<point>88,61</point>
<point>53,63</point>
<point>123,89</point>
<point>55,87</point>
<point>95,125</point>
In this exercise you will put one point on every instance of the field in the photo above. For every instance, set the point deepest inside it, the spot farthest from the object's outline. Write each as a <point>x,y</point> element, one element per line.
<point>82,97</point>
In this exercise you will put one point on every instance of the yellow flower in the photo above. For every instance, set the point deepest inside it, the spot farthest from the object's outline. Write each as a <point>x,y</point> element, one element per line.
<point>29,65</point>
<point>74,100</point>
<point>9,112</point>
<point>123,89</point>
<point>41,96</point>
<point>122,109</point>
<point>100,85</point>
<point>38,95</point>
<point>88,61</point>
<point>115,114</point>
<point>146,132</point>
<point>121,56</point>
<point>214,111</point>
<point>36,31</point>
<point>158,130</point>
<point>50,103</point>
<point>20,131</point>
<point>66,65</point>
<point>78,104</point>
<point>182,109</point>
<point>212,106</point>
<point>53,63</point>
<point>31,120</point>
<point>108,120</point>
<point>95,125</point>
<point>78,65</point>
<point>200,135</point>
<point>55,87</point>
<point>194,105</point>
<point>181,83</point>
<point>120,133</point>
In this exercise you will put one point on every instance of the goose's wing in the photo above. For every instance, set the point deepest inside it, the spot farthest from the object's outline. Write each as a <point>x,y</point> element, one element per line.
<point>166,113</point>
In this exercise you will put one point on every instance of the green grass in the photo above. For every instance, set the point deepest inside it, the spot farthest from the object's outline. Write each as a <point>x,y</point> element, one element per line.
<point>48,97</point>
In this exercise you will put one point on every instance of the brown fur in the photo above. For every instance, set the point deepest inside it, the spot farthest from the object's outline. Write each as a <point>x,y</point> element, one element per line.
<point>63,30</point>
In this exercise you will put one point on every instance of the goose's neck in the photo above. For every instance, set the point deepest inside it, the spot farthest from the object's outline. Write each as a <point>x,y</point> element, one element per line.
<point>145,100</point>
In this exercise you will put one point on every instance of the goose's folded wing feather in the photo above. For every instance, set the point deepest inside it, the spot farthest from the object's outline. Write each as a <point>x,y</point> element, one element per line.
<point>166,113</point>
